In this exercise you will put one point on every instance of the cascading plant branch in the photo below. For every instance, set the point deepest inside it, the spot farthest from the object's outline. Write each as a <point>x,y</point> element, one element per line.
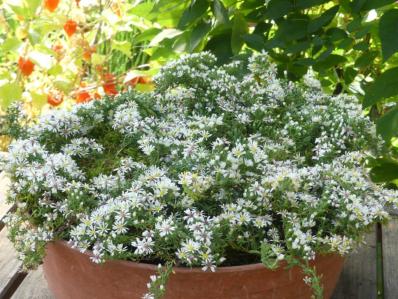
<point>217,166</point>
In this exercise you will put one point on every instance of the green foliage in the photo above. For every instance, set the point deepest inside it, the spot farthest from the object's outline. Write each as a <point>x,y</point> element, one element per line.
<point>352,45</point>
<point>388,31</point>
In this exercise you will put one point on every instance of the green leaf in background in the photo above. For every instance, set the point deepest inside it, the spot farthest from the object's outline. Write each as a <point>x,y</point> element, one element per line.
<point>19,8</point>
<point>385,86</point>
<point>373,4</point>
<point>9,92</point>
<point>387,125</point>
<point>147,35</point>
<point>97,59</point>
<point>196,9</point>
<point>38,100</point>
<point>63,83</point>
<point>363,60</point>
<point>197,36</point>
<point>388,31</point>
<point>303,4</point>
<point>254,41</point>
<point>328,62</point>
<point>220,45</point>
<point>55,70</point>
<point>11,44</point>
<point>239,29</point>
<point>323,20</point>
<point>220,12</point>
<point>384,170</point>
<point>278,8</point>
<point>32,6</point>
<point>164,34</point>
<point>122,46</point>
<point>349,75</point>
<point>292,28</point>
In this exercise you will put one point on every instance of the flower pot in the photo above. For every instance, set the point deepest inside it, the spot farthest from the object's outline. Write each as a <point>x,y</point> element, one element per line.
<point>72,275</point>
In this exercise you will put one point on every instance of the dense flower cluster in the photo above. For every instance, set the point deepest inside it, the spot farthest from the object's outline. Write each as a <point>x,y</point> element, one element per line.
<point>217,166</point>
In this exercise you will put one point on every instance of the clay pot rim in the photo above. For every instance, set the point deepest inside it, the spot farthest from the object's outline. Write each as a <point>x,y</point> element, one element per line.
<point>240,268</point>
<point>152,267</point>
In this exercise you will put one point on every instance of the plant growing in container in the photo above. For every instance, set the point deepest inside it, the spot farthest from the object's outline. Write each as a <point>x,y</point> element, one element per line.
<point>238,184</point>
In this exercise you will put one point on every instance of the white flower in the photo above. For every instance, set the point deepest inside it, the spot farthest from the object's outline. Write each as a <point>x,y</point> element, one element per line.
<point>143,246</point>
<point>165,227</point>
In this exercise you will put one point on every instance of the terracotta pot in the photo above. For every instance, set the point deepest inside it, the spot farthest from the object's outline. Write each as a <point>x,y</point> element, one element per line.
<point>71,275</point>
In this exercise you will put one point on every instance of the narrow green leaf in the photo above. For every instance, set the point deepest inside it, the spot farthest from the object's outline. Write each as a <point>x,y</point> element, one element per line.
<point>383,87</point>
<point>388,31</point>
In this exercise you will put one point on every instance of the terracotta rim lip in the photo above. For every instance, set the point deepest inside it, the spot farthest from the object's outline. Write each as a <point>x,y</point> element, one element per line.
<point>240,268</point>
<point>151,267</point>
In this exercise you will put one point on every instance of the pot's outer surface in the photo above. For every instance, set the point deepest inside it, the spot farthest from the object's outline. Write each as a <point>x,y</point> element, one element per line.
<point>72,275</point>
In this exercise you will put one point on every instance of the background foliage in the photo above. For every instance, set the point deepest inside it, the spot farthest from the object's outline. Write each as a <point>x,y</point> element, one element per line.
<point>351,45</point>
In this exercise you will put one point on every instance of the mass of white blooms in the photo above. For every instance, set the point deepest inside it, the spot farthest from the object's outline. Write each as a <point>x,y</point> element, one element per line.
<point>219,165</point>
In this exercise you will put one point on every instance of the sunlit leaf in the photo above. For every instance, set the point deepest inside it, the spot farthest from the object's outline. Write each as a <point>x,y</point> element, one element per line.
<point>11,44</point>
<point>122,46</point>
<point>164,34</point>
<point>97,59</point>
<point>9,92</point>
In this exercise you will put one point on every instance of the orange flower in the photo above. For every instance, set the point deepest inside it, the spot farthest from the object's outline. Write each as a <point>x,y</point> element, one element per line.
<point>70,27</point>
<point>26,66</point>
<point>88,51</point>
<point>83,97</point>
<point>51,5</point>
<point>138,80</point>
<point>110,85</point>
<point>54,100</point>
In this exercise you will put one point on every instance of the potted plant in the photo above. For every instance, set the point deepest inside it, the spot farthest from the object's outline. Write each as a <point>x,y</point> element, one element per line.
<point>236,183</point>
